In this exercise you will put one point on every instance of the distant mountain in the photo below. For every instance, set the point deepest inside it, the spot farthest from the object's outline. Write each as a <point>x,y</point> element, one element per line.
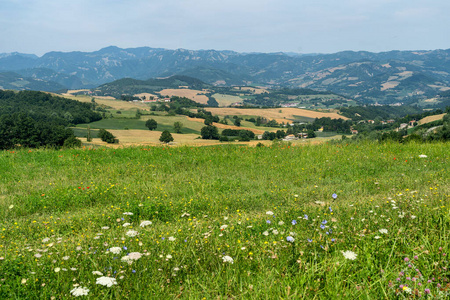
<point>387,77</point>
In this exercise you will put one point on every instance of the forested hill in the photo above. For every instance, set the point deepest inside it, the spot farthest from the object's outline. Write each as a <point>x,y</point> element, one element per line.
<point>36,119</point>
<point>45,107</point>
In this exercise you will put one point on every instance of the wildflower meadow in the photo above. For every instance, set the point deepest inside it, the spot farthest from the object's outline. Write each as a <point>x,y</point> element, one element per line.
<point>330,221</point>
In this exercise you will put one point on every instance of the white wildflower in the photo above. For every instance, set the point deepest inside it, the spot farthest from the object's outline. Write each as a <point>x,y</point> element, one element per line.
<point>168,256</point>
<point>105,227</point>
<point>171,238</point>
<point>134,255</point>
<point>126,224</point>
<point>106,281</point>
<point>266,233</point>
<point>281,223</point>
<point>377,237</point>
<point>79,291</point>
<point>382,230</point>
<point>290,239</point>
<point>349,254</point>
<point>57,270</point>
<point>115,250</point>
<point>223,227</point>
<point>132,233</point>
<point>423,156</point>
<point>45,240</point>
<point>97,273</point>
<point>145,223</point>
<point>66,257</point>
<point>228,259</point>
<point>128,213</point>
<point>270,213</point>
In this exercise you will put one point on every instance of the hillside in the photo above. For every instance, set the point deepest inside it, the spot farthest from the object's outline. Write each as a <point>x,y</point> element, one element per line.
<point>386,77</point>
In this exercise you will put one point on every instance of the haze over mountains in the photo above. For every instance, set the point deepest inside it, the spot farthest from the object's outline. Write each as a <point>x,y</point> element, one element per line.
<point>385,77</point>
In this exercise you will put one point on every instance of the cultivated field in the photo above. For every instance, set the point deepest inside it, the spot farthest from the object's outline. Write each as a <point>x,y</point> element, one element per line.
<point>333,221</point>
<point>431,119</point>
<point>279,114</point>
<point>194,95</point>
<point>226,100</point>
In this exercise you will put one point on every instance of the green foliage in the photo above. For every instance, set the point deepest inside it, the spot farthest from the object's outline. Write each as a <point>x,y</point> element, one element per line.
<point>43,107</point>
<point>269,135</point>
<point>166,137</point>
<point>107,136</point>
<point>177,126</point>
<point>210,132</point>
<point>72,142</point>
<point>20,130</point>
<point>151,124</point>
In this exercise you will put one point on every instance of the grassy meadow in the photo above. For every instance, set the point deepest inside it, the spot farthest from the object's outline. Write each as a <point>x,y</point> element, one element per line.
<point>330,221</point>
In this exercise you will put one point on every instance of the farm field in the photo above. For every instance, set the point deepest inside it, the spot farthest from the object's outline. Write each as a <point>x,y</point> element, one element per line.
<point>278,114</point>
<point>330,221</point>
<point>226,100</point>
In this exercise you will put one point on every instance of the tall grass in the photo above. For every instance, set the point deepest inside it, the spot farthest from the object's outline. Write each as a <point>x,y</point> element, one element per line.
<point>284,215</point>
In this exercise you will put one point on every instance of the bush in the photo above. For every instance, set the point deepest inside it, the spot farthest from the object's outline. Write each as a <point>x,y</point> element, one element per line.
<point>223,138</point>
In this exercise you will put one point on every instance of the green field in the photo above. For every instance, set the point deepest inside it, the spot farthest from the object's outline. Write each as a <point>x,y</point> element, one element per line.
<point>330,221</point>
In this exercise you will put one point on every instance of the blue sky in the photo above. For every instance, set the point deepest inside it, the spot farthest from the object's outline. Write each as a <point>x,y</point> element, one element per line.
<point>303,26</point>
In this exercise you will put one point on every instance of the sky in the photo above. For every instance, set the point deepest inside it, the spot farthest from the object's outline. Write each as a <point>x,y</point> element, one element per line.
<point>301,26</point>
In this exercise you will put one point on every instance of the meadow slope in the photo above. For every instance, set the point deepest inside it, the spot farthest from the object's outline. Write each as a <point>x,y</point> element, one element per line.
<point>326,221</point>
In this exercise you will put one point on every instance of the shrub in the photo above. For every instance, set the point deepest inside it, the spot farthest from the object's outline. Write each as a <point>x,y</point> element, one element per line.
<point>107,136</point>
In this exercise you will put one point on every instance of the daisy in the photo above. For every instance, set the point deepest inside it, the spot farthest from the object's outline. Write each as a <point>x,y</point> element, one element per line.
<point>349,254</point>
<point>79,291</point>
<point>106,281</point>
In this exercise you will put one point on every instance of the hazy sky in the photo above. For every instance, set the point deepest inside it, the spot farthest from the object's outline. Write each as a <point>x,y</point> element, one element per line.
<point>304,26</point>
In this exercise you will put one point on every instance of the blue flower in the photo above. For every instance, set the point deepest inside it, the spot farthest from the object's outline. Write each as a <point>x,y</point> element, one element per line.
<point>324,222</point>
<point>125,248</point>
<point>163,238</point>
<point>332,240</point>
<point>322,226</point>
<point>306,217</point>
<point>134,271</point>
<point>330,209</point>
<point>290,239</point>
<point>334,196</point>
<point>268,221</point>
<point>294,222</point>
<point>309,240</point>
<point>327,232</point>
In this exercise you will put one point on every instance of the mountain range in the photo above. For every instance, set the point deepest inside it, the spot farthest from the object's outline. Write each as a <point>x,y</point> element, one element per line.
<point>386,77</point>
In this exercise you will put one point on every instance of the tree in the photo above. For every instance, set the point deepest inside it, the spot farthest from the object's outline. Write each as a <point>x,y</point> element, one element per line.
<point>151,124</point>
<point>166,137</point>
<point>210,132</point>
<point>107,136</point>
<point>177,127</point>
<point>311,134</point>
